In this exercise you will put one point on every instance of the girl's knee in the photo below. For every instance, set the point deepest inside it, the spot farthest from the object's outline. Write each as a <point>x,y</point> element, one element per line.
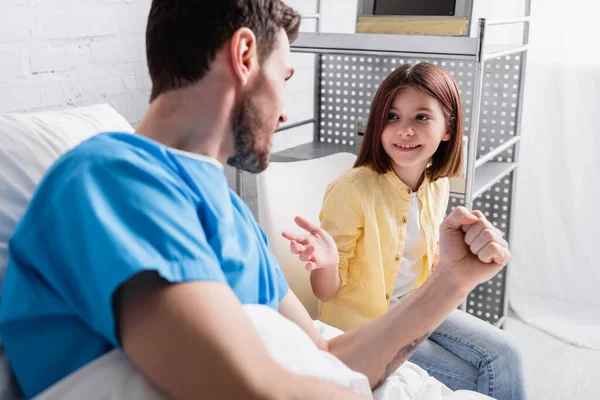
<point>510,354</point>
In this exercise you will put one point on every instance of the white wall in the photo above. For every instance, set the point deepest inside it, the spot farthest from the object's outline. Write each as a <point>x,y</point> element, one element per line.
<point>63,53</point>
<point>60,53</point>
<point>499,10</point>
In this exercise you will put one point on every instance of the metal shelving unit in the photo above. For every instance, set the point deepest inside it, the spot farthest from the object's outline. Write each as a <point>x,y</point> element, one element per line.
<point>460,48</point>
<point>349,68</point>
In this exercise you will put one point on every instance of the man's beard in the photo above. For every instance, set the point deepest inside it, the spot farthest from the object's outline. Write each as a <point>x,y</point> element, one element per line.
<point>246,126</point>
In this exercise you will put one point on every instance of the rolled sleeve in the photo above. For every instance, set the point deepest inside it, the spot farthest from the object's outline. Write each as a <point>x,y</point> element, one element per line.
<point>113,220</point>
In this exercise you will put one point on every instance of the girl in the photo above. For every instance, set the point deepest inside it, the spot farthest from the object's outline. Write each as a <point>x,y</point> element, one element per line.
<point>384,216</point>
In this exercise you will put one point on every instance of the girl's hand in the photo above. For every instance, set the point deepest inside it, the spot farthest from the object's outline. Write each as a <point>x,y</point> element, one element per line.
<point>317,248</point>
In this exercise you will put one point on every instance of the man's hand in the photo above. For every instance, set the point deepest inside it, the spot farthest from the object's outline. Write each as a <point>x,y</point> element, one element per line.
<point>472,250</point>
<point>317,248</point>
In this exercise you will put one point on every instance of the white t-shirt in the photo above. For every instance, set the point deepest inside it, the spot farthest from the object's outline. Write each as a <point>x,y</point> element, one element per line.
<point>415,248</point>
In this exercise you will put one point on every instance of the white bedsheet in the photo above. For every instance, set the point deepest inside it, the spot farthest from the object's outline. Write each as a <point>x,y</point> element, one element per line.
<point>113,377</point>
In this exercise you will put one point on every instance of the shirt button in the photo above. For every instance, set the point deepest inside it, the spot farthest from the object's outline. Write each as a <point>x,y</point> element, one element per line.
<point>405,220</point>
<point>387,296</point>
<point>409,191</point>
<point>397,258</point>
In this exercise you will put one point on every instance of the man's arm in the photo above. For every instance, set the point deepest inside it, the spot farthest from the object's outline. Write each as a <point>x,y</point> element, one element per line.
<point>472,251</point>
<point>379,347</point>
<point>194,339</point>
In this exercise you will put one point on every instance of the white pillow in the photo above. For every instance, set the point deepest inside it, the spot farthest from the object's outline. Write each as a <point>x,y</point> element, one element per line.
<point>29,145</point>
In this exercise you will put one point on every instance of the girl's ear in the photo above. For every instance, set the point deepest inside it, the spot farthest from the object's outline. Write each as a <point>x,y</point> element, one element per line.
<point>446,137</point>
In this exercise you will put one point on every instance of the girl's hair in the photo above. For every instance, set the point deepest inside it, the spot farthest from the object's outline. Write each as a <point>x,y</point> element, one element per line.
<point>437,83</point>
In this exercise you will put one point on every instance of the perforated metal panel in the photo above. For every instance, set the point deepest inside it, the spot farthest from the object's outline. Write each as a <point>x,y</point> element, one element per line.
<point>497,124</point>
<point>486,301</point>
<point>500,99</point>
<point>347,86</point>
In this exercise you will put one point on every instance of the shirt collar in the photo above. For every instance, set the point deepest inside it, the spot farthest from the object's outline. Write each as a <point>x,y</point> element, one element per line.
<point>197,156</point>
<point>399,185</point>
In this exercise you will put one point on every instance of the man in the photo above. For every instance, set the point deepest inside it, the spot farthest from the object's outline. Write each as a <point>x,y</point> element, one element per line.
<point>135,241</point>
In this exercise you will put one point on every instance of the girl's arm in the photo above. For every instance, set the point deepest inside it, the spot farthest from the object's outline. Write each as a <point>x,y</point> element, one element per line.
<point>342,220</point>
<point>325,283</point>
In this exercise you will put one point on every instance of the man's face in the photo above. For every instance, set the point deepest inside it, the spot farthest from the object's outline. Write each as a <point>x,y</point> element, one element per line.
<point>260,110</point>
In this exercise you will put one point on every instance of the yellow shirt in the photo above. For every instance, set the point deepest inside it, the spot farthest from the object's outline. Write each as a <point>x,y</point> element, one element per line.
<point>366,214</point>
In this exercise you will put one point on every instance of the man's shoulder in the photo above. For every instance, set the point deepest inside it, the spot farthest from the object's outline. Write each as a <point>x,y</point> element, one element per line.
<point>114,147</point>
<point>122,155</point>
<point>106,165</point>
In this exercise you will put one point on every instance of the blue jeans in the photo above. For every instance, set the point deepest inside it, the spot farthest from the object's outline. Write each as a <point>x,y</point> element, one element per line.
<point>467,353</point>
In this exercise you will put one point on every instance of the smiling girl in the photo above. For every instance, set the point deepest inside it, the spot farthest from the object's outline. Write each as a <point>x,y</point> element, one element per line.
<point>384,216</point>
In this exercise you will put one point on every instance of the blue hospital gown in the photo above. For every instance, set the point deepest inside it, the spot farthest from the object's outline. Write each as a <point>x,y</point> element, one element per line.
<point>114,206</point>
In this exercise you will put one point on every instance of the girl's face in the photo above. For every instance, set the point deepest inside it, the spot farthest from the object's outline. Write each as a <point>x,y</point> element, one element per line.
<point>415,126</point>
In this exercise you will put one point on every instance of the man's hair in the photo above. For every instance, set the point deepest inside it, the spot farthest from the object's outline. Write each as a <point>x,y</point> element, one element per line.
<point>437,83</point>
<point>183,36</point>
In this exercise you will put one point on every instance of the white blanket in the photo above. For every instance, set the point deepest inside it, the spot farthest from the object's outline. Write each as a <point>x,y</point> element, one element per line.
<point>113,377</point>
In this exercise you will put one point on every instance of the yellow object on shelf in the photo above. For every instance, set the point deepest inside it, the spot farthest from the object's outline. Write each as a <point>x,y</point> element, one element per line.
<point>413,25</point>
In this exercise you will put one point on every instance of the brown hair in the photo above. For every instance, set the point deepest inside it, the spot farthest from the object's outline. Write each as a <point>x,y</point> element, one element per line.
<point>437,83</point>
<point>183,36</point>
